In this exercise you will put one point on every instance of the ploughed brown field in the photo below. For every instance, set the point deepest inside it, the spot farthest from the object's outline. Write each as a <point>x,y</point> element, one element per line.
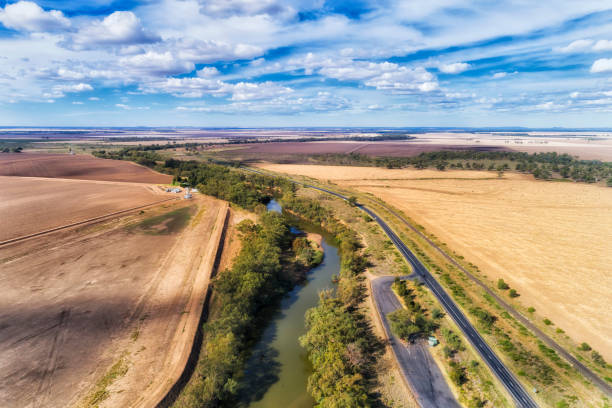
<point>82,167</point>
<point>548,240</point>
<point>102,314</point>
<point>30,204</point>
<point>402,149</point>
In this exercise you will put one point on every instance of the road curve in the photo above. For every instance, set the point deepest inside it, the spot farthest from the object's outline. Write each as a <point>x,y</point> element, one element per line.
<point>520,396</point>
<point>416,363</point>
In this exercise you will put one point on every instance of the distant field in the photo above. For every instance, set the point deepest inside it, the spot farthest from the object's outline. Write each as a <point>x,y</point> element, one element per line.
<point>76,167</point>
<point>548,240</point>
<point>400,149</point>
<point>29,204</point>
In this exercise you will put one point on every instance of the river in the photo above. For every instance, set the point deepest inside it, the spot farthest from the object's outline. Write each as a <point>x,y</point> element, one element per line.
<point>277,372</point>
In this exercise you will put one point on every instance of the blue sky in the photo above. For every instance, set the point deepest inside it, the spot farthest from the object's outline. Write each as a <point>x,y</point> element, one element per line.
<point>306,63</point>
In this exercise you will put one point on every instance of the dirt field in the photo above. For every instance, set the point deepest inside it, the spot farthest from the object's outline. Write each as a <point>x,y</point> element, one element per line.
<point>548,240</point>
<point>82,167</point>
<point>289,152</point>
<point>30,204</point>
<point>398,149</point>
<point>102,314</point>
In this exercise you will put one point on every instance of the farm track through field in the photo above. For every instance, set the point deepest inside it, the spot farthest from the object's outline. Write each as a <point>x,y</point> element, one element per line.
<point>43,390</point>
<point>83,222</point>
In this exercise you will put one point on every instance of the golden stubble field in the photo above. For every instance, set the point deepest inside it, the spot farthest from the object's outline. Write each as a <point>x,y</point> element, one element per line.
<point>551,241</point>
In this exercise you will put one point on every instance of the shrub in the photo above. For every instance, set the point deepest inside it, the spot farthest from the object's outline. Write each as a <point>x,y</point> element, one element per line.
<point>547,322</point>
<point>531,309</point>
<point>584,347</point>
<point>457,375</point>
<point>502,285</point>
<point>598,359</point>
<point>437,314</point>
<point>453,340</point>
<point>485,318</point>
<point>513,293</point>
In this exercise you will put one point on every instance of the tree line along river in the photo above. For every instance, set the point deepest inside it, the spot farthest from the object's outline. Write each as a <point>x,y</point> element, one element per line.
<point>277,372</point>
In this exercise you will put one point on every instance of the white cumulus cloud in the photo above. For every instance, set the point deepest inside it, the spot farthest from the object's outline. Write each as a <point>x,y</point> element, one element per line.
<point>29,16</point>
<point>576,46</point>
<point>603,45</point>
<point>454,68</point>
<point>154,63</point>
<point>602,65</point>
<point>249,91</point>
<point>82,87</point>
<point>119,28</point>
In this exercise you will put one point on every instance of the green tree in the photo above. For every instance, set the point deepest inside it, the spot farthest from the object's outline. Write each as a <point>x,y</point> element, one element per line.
<point>598,358</point>
<point>502,285</point>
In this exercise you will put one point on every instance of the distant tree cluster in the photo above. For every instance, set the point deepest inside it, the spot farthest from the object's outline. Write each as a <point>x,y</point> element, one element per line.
<point>322,138</point>
<point>7,149</point>
<point>541,165</point>
<point>244,189</point>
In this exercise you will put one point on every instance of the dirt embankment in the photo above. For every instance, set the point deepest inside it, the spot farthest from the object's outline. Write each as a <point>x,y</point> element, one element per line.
<point>164,344</point>
<point>82,167</point>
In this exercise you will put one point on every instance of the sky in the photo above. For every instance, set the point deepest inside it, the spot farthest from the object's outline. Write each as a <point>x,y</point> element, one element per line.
<point>246,63</point>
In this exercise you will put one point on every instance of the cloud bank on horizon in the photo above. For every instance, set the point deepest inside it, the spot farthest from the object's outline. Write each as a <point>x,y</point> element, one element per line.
<point>296,62</point>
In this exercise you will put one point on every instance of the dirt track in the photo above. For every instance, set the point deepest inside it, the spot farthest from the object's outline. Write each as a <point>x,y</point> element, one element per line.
<point>81,167</point>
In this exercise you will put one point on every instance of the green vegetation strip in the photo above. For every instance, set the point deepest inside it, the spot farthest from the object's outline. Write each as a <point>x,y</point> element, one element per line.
<point>339,340</point>
<point>100,392</point>
<point>541,165</point>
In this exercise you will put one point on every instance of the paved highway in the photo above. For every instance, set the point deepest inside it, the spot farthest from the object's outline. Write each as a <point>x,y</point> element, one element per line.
<point>519,394</point>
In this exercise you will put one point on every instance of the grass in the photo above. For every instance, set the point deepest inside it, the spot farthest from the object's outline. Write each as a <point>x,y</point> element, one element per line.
<point>168,223</point>
<point>100,392</point>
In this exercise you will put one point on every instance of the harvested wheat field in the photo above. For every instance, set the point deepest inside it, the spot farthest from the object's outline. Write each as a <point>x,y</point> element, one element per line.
<point>105,314</point>
<point>29,204</point>
<point>551,241</point>
<point>81,167</point>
